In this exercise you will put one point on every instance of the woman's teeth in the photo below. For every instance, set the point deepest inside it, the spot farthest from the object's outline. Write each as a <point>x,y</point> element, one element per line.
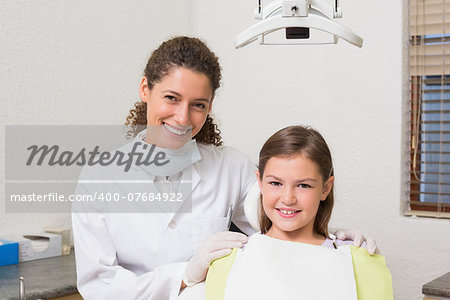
<point>175,130</point>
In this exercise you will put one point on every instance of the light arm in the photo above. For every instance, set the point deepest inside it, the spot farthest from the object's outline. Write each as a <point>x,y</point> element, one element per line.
<point>312,21</point>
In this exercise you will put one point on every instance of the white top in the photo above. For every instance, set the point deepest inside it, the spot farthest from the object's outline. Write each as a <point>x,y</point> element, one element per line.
<point>143,255</point>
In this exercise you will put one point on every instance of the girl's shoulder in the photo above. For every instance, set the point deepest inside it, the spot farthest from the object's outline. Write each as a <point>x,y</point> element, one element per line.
<point>328,243</point>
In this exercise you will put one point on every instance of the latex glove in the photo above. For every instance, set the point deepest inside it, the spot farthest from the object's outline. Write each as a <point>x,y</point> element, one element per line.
<point>211,249</point>
<point>358,238</point>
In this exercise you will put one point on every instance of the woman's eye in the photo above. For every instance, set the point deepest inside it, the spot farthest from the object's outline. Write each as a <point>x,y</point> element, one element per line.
<point>275,183</point>
<point>199,106</point>
<point>170,98</point>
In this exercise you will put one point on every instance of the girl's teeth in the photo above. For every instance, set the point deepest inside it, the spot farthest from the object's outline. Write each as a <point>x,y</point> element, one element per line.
<point>288,212</point>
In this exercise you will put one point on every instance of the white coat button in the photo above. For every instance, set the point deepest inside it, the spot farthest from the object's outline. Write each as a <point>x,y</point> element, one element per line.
<point>172,225</point>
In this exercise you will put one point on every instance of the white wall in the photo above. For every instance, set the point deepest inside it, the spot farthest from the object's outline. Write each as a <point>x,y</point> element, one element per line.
<point>64,62</point>
<point>354,97</point>
<point>75,62</point>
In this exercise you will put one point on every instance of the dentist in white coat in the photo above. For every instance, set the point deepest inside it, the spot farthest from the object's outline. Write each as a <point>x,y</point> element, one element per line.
<point>155,255</point>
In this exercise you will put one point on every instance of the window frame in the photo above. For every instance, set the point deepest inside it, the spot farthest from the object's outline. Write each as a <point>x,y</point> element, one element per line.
<point>418,22</point>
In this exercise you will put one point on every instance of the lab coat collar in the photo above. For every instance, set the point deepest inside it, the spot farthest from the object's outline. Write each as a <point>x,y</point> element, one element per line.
<point>184,159</point>
<point>195,176</point>
<point>179,159</point>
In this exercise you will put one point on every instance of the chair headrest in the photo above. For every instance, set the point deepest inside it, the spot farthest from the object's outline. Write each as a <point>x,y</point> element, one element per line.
<point>252,204</point>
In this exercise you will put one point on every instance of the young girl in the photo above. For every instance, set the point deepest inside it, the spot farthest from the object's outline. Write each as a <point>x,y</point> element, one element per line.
<point>294,256</point>
<point>296,180</point>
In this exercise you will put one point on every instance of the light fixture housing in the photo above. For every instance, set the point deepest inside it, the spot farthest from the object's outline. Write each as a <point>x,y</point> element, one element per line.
<point>297,18</point>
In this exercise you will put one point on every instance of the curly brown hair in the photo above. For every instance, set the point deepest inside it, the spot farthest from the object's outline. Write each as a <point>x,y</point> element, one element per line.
<point>186,52</point>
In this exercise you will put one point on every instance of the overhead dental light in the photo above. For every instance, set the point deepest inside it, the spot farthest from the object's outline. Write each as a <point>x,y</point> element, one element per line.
<point>297,18</point>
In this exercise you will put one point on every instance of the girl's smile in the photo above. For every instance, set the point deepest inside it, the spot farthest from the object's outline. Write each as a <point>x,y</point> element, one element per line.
<point>287,213</point>
<point>292,189</point>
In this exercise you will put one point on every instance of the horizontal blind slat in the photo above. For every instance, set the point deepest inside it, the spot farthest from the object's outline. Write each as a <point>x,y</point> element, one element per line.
<point>432,173</point>
<point>428,17</point>
<point>430,80</point>
<point>440,91</point>
<point>431,101</point>
<point>416,51</point>
<point>430,60</point>
<point>424,182</point>
<point>435,122</point>
<point>429,29</point>
<point>434,142</point>
<point>434,111</point>
<point>430,203</point>
<point>428,193</point>
<point>429,152</point>
<point>417,10</point>
<point>434,132</point>
<point>426,2</point>
<point>430,70</point>
<point>433,162</point>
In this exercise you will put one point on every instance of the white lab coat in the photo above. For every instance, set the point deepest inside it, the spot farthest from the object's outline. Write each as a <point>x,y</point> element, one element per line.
<point>143,255</point>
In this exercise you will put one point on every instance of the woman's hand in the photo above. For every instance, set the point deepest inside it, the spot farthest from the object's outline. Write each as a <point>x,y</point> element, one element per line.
<point>211,249</point>
<point>358,238</point>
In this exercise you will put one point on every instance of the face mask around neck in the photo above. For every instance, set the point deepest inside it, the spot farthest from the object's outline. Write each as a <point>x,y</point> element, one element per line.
<point>162,161</point>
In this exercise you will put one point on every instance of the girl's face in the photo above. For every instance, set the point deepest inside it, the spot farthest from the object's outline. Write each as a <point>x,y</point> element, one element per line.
<point>179,103</point>
<point>292,189</point>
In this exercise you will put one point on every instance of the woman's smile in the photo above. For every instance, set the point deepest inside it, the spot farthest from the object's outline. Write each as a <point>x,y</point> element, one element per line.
<point>177,106</point>
<point>177,130</point>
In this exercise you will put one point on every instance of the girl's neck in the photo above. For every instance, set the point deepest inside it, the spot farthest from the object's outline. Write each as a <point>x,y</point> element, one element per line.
<point>294,236</point>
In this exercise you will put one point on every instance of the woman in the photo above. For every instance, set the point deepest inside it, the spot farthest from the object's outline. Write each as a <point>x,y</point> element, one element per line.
<point>146,255</point>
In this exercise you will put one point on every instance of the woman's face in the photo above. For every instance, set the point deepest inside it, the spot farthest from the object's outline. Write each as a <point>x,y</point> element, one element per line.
<point>179,104</point>
<point>292,189</point>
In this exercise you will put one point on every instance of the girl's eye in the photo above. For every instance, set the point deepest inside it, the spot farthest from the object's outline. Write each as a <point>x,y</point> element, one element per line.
<point>304,186</point>
<point>275,183</point>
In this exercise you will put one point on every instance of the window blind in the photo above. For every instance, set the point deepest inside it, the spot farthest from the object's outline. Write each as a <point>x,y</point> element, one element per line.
<point>429,71</point>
